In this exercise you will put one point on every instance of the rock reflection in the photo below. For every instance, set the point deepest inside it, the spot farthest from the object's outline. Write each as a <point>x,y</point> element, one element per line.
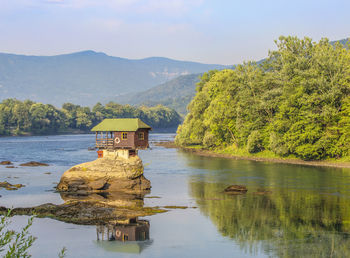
<point>117,199</point>
<point>107,207</point>
<point>91,209</point>
<point>130,236</point>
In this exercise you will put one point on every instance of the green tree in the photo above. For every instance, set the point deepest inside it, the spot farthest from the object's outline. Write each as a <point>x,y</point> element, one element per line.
<point>294,103</point>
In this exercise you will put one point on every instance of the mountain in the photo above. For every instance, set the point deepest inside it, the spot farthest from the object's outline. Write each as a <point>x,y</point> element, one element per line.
<point>176,94</point>
<point>341,41</point>
<point>86,77</point>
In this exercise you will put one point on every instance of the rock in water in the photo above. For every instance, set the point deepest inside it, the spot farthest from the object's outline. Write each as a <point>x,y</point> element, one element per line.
<point>9,186</point>
<point>236,189</point>
<point>34,164</point>
<point>6,162</point>
<point>106,174</point>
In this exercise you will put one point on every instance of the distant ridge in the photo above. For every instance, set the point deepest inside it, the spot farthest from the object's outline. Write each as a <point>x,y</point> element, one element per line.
<point>176,94</point>
<point>341,41</point>
<point>86,77</point>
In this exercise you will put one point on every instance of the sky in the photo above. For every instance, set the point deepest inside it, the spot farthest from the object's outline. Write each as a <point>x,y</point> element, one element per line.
<point>207,31</point>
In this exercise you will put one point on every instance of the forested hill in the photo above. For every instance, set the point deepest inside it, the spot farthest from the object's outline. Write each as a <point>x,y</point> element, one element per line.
<point>28,117</point>
<point>176,94</point>
<point>295,104</point>
<point>86,77</point>
<point>344,42</point>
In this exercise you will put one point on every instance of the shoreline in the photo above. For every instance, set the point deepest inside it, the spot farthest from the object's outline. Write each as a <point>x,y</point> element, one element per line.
<point>75,132</point>
<point>208,153</point>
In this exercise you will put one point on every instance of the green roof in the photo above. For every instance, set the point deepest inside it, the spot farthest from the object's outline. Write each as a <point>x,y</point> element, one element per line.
<point>120,124</point>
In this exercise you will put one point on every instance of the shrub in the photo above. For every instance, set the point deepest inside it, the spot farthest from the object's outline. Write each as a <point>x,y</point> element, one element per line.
<point>254,143</point>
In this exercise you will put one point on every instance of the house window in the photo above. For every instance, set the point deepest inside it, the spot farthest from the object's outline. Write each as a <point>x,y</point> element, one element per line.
<point>126,237</point>
<point>124,136</point>
<point>141,136</point>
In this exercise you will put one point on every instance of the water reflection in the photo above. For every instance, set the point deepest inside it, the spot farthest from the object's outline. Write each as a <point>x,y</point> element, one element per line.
<point>117,199</point>
<point>128,236</point>
<point>297,215</point>
<point>122,231</point>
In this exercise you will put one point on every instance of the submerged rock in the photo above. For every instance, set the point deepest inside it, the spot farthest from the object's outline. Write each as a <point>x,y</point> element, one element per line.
<point>261,191</point>
<point>6,162</point>
<point>236,189</point>
<point>91,209</point>
<point>9,186</point>
<point>106,174</point>
<point>34,164</point>
<point>84,212</point>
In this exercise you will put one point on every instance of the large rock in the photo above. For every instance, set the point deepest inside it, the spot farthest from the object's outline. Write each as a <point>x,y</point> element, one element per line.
<point>106,174</point>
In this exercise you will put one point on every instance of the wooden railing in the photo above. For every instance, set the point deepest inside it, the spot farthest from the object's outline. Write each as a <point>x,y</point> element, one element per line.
<point>104,143</point>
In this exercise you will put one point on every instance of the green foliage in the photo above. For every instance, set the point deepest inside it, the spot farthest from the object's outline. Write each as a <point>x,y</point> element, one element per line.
<point>209,140</point>
<point>296,102</point>
<point>254,143</point>
<point>17,117</point>
<point>15,244</point>
<point>62,253</point>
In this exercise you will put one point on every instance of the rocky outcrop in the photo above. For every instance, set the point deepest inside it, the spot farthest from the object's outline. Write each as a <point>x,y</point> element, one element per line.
<point>108,174</point>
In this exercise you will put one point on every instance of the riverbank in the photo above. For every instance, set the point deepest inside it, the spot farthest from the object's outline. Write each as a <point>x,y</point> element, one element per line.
<point>60,132</point>
<point>221,154</point>
<point>76,132</point>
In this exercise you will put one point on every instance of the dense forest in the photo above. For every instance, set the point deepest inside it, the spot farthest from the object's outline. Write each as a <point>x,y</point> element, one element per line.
<point>28,117</point>
<point>296,103</point>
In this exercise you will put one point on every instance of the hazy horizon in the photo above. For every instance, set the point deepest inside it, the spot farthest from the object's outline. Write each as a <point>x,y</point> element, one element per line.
<point>225,32</point>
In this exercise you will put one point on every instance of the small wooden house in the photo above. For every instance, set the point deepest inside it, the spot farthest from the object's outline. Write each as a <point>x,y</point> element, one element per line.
<point>130,134</point>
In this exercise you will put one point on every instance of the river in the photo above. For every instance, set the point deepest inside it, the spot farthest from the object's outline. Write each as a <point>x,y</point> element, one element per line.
<point>288,211</point>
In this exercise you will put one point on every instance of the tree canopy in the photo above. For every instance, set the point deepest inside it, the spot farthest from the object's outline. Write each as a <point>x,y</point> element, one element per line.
<point>297,102</point>
<point>27,117</point>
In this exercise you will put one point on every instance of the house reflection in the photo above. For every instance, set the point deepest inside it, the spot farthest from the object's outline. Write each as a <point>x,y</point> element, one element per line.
<point>128,230</point>
<point>128,236</point>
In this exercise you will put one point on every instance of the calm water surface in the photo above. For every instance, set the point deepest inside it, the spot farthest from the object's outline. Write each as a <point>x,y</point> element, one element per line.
<point>305,211</point>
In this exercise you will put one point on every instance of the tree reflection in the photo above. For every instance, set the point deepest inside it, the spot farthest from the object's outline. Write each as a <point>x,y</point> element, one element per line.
<point>285,223</point>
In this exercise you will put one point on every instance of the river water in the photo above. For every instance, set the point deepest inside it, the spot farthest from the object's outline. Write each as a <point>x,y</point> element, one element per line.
<point>289,210</point>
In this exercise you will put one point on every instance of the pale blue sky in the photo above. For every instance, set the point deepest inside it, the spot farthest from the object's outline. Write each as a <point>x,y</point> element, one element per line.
<point>221,31</point>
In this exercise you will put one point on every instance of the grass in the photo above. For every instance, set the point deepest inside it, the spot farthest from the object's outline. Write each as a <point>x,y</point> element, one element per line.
<point>233,151</point>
